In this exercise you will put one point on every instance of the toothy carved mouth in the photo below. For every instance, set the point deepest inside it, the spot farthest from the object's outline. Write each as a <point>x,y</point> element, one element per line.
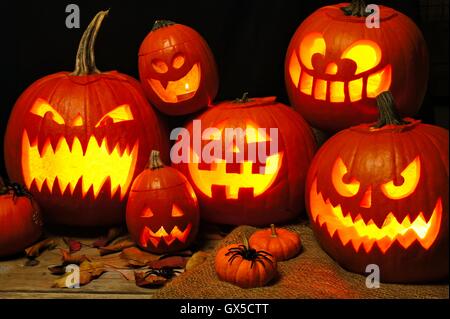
<point>155,238</point>
<point>69,167</point>
<point>360,233</point>
<point>335,91</point>
<point>180,90</point>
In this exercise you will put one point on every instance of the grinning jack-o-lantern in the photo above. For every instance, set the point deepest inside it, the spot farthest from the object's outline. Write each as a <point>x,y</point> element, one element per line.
<point>236,188</point>
<point>162,209</point>
<point>379,195</point>
<point>177,69</point>
<point>336,65</point>
<point>77,140</point>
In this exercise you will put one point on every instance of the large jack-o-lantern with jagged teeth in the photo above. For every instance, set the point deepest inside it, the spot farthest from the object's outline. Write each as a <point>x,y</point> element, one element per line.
<point>336,65</point>
<point>379,195</point>
<point>162,210</point>
<point>237,185</point>
<point>77,140</point>
<point>177,69</point>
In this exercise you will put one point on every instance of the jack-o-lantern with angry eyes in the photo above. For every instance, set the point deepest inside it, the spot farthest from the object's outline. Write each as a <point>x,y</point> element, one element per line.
<point>162,209</point>
<point>379,195</point>
<point>336,65</point>
<point>177,69</point>
<point>77,140</point>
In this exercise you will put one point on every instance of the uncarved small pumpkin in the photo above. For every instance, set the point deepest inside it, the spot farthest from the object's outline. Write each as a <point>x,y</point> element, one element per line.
<point>281,243</point>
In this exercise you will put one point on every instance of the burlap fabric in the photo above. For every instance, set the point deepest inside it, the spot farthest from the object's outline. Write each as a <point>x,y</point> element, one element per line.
<point>312,274</point>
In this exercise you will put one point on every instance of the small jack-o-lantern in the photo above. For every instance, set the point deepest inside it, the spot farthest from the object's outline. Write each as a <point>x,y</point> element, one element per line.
<point>379,195</point>
<point>77,140</point>
<point>336,65</point>
<point>234,186</point>
<point>162,209</point>
<point>177,69</point>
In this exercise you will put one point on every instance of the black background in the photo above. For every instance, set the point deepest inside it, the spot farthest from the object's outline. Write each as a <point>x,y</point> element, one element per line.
<point>248,38</point>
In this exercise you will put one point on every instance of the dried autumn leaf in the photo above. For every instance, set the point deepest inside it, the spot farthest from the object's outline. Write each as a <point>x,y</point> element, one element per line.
<point>31,262</point>
<point>57,270</point>
<point>113,233</point>
<point>116,247</point>
<point>169,262</point>
<point>137,257</point>
<point>73,244</point>
<point>197,259</point>
<point>88,272</point>
<point>144,280</point>
<point>37,249</point>
<point>68,258</point>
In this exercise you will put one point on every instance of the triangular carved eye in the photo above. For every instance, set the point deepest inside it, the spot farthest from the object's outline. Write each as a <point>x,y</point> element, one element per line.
<point>147,213</point>
<point>176,211</point>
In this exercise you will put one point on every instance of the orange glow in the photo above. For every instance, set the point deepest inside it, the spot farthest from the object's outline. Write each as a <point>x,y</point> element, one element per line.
<point>147,213</point>
<point>411,177</point>
<point>306,83</point>
<point>365,53</point>
<point>69,165</point>
<point>176,211</point>
<point>320,91</point>
<point>361,234</point>
<point>337,174</point>
<point>311,44</point>
<point>366,201</point>
<point>160,66</point>
<point>178,61</point>
<point>355,89</point>
<point>337,93</point>
<point>77,121</point>
<point>41,107</point>
<point>180,90</point>
<point>379,82</point>
<point>119,114</point>
<point>294,69</point>
<point>155,238</point>
<point>332,69</point>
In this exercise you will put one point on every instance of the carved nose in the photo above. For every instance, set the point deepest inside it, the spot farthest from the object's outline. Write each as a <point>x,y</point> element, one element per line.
<point>332,68</point>
<point>366,201</point>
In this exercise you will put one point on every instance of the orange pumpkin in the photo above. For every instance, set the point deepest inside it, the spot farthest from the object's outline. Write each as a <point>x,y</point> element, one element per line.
<point>281,243</point>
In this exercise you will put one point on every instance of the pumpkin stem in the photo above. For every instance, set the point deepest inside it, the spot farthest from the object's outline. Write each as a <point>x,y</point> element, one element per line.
<point>245,241</point>
<point>155,161</point>
<point>162,24</point>
<point>85,61</point>
<point>388,114</point>
<point>356,9</point>
<point>274,230</point>
<point>243,99</point>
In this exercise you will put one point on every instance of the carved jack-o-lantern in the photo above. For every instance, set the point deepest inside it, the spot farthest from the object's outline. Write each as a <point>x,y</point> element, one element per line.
<point>77,140</point>
<point>177,69</point>
<point>380,196</point>
<point>243,189</point>
<point>162,209</point>
<point>336,66</point>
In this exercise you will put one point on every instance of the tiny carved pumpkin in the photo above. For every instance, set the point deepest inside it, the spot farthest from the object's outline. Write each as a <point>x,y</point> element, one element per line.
<point>77,140</point>
<point>257,176</point>
<point>336,66</point>
<point>162,210</point>
<point>281,243</point>
<point>244,266</point>
<point>177,69</point>
<point>20,219</point>
<point>378,194</point>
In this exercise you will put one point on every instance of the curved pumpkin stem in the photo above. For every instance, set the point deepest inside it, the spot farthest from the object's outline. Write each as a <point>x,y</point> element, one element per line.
<point>85,61</point>
<point>356,9</point>
<point>274,230</point>
<point>388,113</point>
<point>243,99</point>
<point>162,24</point>
<point>155,161</point>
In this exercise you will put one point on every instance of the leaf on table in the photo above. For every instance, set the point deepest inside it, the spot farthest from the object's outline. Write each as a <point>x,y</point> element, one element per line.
<point>57,270</point>
<point>137,257</point>
<point>31,262</point>
<point>72,244</point>
<point>37,249</point>
<point>113,233</point>
<point>144,280</point>
<point>68,258</point>
<point>169,262</point>
<point>88,272</point>
<point>111,249</point>
<point>196,260</point>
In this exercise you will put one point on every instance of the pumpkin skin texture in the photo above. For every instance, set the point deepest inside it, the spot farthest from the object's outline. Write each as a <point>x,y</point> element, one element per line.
<point>162,209</point>
<point>177,69</point>
<point>281,243</point>
<point>20,223</point>
<point>335,66</point>
<point>391,184</point>
<point>244,272</point>
<point>240,192</point>
<point>77,140</point>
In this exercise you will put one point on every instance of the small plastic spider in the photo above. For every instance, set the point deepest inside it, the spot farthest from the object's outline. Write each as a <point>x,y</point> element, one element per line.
<point>165,272</point>
<point>17,189</point>
<point>248,253</point>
